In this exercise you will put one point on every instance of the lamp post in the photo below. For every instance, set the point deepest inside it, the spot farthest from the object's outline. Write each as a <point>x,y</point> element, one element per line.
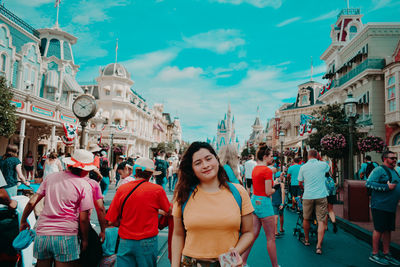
<point>112,128</point>
<point>281,139</point>
<point>350,108</point>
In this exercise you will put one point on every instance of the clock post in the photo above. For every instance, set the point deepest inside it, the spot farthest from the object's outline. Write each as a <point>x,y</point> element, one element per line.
<point>84,108</point>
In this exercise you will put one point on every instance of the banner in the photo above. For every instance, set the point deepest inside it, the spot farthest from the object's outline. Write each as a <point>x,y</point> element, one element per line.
<point>70,131</point>
<point>305,124</point>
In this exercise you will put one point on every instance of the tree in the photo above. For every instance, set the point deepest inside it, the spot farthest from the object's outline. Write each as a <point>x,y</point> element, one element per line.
<point>248,150</point>
<point>328,120</point>
<point>8,118</point>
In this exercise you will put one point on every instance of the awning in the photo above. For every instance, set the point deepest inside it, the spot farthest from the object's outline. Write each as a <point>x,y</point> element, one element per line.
<point>71,85</point>
<point>158,127</point>
<point>52,79</point>
<point>364,99</point>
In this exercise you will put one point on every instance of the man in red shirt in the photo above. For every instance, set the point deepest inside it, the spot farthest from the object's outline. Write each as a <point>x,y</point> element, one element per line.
<point>135,209</point>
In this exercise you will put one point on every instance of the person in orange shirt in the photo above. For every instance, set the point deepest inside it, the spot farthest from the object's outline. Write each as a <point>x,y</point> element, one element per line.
<point>213,222</point>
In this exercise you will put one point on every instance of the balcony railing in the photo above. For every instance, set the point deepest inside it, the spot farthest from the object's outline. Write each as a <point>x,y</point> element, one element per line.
<point>376,64</point>
<point>349,11</point>
<point>11,16</point>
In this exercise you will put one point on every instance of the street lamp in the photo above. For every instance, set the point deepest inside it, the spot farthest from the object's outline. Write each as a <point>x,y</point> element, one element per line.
<point>112,129</point>
<point>281,139</point>
<point>350,108</point>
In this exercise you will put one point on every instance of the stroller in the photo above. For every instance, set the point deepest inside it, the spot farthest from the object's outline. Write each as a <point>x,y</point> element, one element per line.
<point>298,229</point>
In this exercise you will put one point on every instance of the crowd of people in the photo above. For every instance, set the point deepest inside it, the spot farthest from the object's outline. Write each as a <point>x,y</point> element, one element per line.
<point>218,207</point>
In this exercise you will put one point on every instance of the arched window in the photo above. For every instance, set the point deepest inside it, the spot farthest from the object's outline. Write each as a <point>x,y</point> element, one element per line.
<point>353,32</point>
<point>67,51</point>
<point>396,140</point>
<point>3,61</point>
<point>54,48</point>
<point>42,47</point>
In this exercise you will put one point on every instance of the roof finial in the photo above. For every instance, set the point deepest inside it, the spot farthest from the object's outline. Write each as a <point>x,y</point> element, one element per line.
<point>311,68</point>
<point>57,5</point>
<point>348,4</point>
<point>116,51</point>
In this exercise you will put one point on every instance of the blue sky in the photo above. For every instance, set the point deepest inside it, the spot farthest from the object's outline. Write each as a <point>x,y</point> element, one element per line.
<point>196,56</point>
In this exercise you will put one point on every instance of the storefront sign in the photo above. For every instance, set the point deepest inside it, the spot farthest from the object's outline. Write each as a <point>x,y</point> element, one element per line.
<point>67,118</point>
<point>42,111</point>
<point>18,103</point>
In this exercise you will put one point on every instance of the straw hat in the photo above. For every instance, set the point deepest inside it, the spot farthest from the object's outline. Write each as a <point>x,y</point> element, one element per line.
<point>146,165</point>
<point>81,159</point>
<point>94,148</point>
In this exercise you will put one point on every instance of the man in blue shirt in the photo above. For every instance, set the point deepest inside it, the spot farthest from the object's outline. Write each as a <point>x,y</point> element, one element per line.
<point>312,174</point>
<point>367,167</point>
<point>385,195</point>
<point>292,174</point>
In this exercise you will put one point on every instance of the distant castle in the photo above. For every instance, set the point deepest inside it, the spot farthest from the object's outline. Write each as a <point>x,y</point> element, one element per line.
<point>226,132</point>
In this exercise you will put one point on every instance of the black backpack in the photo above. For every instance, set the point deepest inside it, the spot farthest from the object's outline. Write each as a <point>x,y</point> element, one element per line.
<point>369,169</point>
<point>161,166</point>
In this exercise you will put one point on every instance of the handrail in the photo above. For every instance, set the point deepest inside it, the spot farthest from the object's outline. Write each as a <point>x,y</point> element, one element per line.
<point>7,13</point>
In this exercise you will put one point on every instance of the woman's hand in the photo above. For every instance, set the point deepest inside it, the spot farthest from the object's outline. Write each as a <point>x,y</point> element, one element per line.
<point>24,225</point>
<point>236,256</point>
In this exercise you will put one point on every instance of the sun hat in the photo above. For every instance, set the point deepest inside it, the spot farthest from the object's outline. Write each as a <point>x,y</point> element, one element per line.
<point>146,165</point>
<point>24,239</point>
<point>81,159</point>
<point>93,148</point>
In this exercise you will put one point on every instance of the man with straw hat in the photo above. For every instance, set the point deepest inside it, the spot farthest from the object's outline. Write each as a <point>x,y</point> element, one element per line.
<point>68,199</point>
<point>135,209</point>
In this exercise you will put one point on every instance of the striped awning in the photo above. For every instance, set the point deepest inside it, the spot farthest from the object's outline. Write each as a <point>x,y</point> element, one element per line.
<point>71,85</point>
<point>52,79</point>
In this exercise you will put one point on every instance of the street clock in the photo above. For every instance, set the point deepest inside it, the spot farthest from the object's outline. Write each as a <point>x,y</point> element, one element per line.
<point>84,107</point>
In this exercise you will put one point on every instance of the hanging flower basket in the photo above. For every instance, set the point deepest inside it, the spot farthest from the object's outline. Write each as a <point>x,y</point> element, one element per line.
<point>333,142</point>
<point>371,143</point>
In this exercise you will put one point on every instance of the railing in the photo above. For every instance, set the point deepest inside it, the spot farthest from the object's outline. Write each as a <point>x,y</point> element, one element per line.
<point>349,11</point>
<point>377,64</point>
<point>11,16</point>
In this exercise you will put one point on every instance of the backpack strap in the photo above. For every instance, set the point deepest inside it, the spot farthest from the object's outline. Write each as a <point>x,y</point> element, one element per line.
<point>236,195</point>
<point>389,174</point>
<point>232,188</point>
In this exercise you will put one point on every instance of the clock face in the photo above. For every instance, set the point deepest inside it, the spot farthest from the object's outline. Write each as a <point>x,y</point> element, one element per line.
<point>84,106</point>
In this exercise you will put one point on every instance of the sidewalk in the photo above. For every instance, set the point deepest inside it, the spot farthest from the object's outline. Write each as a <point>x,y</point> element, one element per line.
<point>363,230</point>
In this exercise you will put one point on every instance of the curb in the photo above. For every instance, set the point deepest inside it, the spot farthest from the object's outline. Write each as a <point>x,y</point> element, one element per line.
<point>364,235</point>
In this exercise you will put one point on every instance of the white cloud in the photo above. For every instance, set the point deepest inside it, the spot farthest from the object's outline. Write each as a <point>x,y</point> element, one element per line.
<point>329,15</point>
<point>32,3</point>
<point>148,64</point>
<point>219,41</point>
<point>95,12</point>
<point>257,3</point>
<point>174,73</point>
<point>378,4</point>
<point>288,21</point>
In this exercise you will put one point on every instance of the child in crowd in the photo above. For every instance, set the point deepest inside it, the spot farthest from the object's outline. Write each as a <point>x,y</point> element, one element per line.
<point>109,255</point>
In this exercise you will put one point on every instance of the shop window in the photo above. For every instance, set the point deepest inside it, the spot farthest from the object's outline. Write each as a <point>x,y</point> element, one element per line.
<point>396,140</point>
<point>391,81</point>
<point>391,98</point>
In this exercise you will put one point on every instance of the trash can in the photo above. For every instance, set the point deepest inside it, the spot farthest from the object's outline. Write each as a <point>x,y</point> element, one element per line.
<point>355,201</point>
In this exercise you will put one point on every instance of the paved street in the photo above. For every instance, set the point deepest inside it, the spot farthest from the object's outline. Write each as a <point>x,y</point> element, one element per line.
<point>341,249</point>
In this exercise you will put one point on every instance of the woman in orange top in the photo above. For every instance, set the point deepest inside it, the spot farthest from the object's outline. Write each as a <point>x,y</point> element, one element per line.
<point>261,200</point>
<point>212,223</point>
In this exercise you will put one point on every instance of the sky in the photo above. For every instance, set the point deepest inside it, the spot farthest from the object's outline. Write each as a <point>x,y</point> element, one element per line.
<point>197,56</point>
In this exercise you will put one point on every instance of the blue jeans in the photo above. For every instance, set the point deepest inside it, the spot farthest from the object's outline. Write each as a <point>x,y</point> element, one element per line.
<point>137,253</point>
<point>105,182</point>
<point>175,179</point>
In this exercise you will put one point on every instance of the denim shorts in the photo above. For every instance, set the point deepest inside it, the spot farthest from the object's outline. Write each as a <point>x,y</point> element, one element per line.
<point>262,206</point>
<point>62,248</point>
<point>137,253</point>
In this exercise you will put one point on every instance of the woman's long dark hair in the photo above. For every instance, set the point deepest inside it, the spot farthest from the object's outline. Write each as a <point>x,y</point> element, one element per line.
<point>187,179</point>
<point>263,150</point>
<point>11,151</point>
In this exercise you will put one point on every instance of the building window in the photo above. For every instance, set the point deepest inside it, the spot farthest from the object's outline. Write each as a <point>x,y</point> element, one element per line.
<point>42,47</point>
<point>353,32</point>
<point>391,81</point>
<point>391,98</point>
<point>119,93</point>
<point>3,63</point>
<point>54,48</point>
<point>117,122</point>
<point>107,92</point>
<point>396,140</point>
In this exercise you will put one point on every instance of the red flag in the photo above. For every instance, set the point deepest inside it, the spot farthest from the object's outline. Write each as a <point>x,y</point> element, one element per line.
<point>57,3</point>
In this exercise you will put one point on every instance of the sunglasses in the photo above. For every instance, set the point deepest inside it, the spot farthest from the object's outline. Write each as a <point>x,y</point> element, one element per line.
<point>392,158</point>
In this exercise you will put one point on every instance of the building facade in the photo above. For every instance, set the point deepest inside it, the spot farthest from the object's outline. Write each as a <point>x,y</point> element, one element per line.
<point>39,65</point>
<point>226,132</point>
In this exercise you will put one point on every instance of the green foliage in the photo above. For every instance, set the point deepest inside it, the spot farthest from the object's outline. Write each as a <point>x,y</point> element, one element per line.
<point>8,118</point>
<point>167,147</point>
<point>328,120</point>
